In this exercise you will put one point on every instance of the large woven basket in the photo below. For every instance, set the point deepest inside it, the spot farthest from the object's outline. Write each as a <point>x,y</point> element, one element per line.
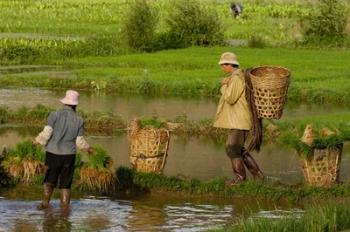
<point>322,168</point>
<point>148,148</point>
<point>270,86</point>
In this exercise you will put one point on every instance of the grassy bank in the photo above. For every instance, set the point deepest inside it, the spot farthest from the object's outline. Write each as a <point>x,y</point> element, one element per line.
<point>216,187</point>
<point>104,123</point>
<point>327,217</point>
<point>318,76</point>
<point>280,131</point>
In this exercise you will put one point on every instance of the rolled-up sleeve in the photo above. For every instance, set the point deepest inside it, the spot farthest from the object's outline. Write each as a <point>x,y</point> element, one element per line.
<point>46,133</point>
<point>80,141</point>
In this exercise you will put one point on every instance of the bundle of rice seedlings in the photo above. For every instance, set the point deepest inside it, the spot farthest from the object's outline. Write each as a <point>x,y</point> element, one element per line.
<point>96,174</point>
<point>13,167</point>
<point>24,162</point>
<point>31,168</point>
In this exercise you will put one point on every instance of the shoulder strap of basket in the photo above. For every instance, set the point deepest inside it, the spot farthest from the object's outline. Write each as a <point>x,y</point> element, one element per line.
<point>256,131</point>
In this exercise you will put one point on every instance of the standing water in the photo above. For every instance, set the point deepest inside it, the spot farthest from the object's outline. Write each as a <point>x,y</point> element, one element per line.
<point>129,106</point>
<point>143,213</point>
<point>196,158</point>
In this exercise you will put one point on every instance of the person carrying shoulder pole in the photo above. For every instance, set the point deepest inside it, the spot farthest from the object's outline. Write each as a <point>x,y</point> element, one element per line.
<point>61,137</point>
<point>233,113</point>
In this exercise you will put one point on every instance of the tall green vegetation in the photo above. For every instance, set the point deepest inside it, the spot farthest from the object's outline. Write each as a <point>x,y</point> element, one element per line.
<point>186,23</point>
<point>191,23</point>
<point>38,50</point>
<point>326,25</point>
<point>139,25</point>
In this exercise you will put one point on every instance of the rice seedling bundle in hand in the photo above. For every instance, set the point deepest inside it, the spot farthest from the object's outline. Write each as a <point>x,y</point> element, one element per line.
<point>96,174</point>
<point>24,162</point>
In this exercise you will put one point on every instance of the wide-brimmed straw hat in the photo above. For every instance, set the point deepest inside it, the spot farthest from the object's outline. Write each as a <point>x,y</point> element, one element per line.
<point>71,98</point>
<point>228,58</point>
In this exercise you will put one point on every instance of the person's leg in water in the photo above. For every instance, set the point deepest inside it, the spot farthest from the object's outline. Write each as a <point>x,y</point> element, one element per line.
<point>51,176</point>
<point>234,148</point>
<point>252,166</point>
<point>66,179</point>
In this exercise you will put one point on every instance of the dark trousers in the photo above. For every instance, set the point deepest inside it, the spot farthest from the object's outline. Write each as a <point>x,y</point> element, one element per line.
<point>59,167</point>
<point>235,143</point>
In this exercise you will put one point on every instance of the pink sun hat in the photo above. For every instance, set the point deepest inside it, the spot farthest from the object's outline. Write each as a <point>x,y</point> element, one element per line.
<point>71,98</point>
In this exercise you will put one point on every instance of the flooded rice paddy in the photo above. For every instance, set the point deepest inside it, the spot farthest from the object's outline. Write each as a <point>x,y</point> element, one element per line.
<point>129,106</point>
<point>187,158</point>
<point>147,213</point>
<point>197,158</point>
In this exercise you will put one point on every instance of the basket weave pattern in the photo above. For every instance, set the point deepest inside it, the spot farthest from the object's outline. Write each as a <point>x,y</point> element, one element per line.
<point>270,86</point>
<point>148,148</point>
<point>322,169</point>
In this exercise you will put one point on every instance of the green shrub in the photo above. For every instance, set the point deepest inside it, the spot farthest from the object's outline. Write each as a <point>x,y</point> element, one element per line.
<point>139,25</point>
<point>326,24</point>
<point>191,23</point>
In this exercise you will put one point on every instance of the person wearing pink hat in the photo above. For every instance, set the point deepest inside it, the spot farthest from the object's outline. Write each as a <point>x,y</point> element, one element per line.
<point>233,113</point>
<point>61,137</point>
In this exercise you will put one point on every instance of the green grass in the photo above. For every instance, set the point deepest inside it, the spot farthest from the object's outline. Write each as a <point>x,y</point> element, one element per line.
<point>318,76</point>
<point>327,217</point>
<point>275,21</point>
<point>105,123</point>
<point>286,132</point>
<point>130,180</point>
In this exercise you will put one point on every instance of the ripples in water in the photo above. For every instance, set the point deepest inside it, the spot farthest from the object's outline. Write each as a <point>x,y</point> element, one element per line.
<point>109,215</point>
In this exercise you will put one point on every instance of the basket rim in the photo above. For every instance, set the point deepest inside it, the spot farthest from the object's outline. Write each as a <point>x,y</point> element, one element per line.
<point>270,66</point>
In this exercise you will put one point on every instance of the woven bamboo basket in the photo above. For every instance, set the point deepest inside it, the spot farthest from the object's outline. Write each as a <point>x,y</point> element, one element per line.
<point>148,148</point>
<point>270,86</point>
<point>322,168</point>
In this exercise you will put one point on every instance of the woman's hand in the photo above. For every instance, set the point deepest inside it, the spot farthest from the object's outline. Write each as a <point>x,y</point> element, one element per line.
<point>35,143</point>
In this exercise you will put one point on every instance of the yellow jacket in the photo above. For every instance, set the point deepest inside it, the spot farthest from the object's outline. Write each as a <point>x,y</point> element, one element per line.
<point>233,111</point>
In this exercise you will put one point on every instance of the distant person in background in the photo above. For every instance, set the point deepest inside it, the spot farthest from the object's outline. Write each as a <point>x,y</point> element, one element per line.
<point>236,9</point>
<point>61,137</point>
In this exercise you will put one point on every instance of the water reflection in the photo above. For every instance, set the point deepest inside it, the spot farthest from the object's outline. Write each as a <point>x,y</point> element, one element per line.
<point>147,214</point>
<point>83,215</point>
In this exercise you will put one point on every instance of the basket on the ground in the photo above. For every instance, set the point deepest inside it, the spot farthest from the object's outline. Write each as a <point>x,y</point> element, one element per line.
<point>322,167</point>
<point>270,86</point>
<point>148,147</point>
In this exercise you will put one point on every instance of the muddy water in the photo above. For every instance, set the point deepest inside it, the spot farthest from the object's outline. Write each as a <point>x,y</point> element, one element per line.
<point>144,213</point>
<point>199,158</point>
<point>129,106</point>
